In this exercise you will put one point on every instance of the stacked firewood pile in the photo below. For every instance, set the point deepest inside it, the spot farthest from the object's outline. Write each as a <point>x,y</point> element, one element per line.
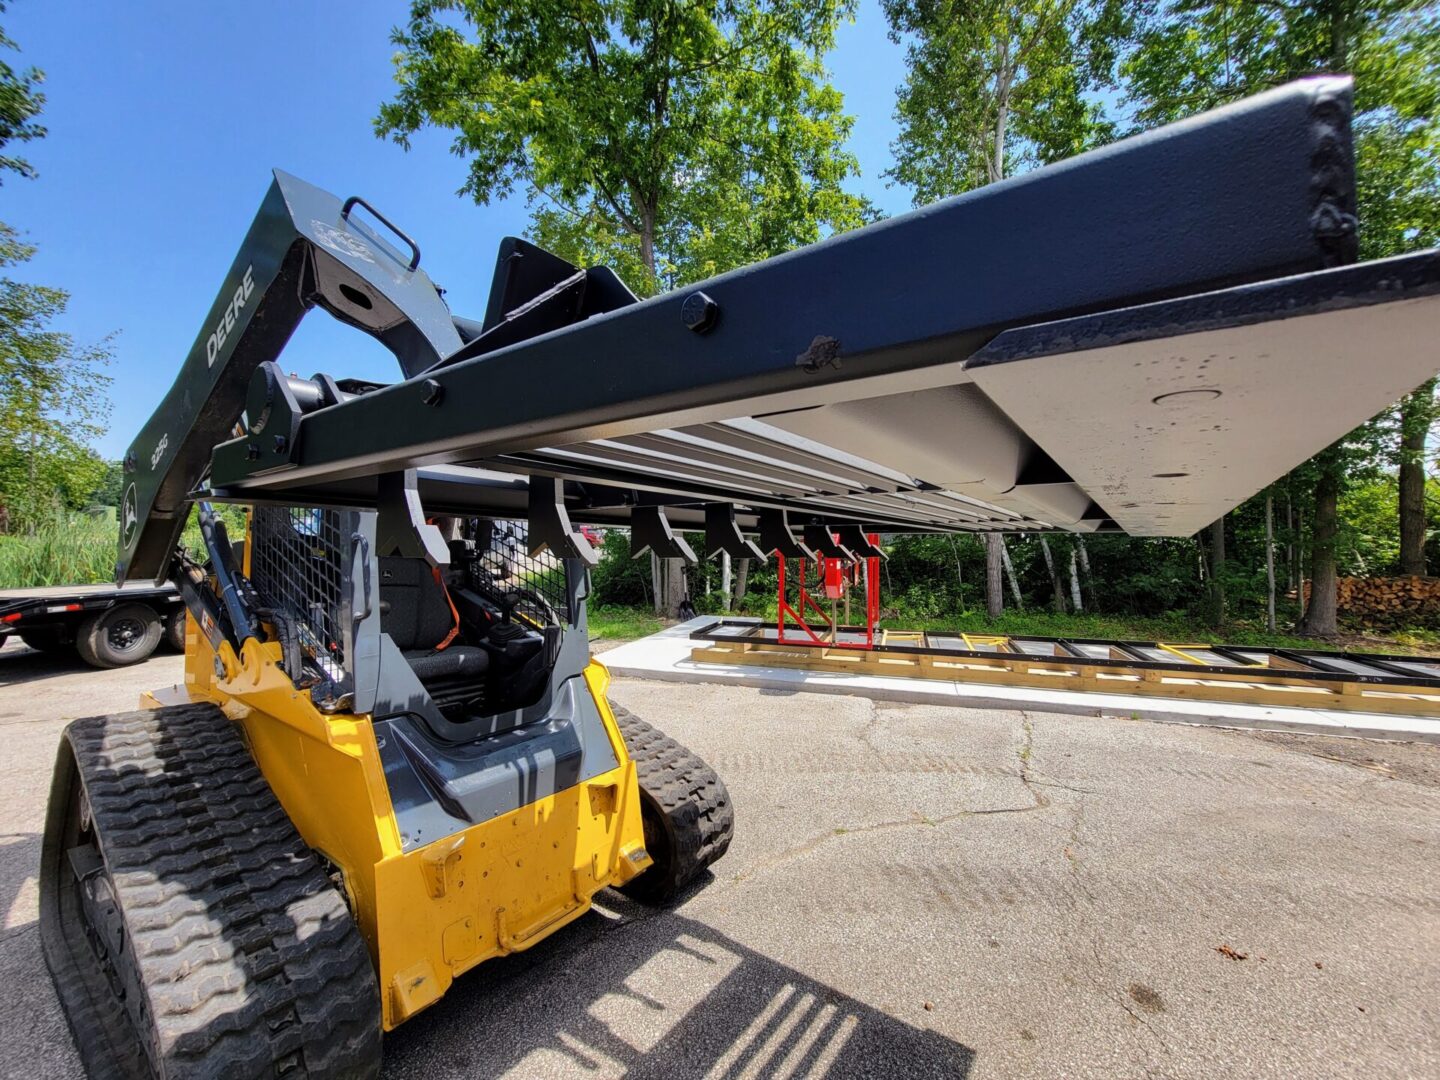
<point>1388,601</point>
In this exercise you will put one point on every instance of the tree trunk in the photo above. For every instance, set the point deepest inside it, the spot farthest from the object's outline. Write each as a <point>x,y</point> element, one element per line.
<point>994,586</point>
<point>725,584</point>
<point>1320,615</point>
<point>1075,581</point>
<point>1289,547</point>
<point>1003,77</point>
<point>674,586</point>
<point>1417,412</point>
<point>657,583</point>
<point>1217,572</point>
<point>959,574</point>
<point>1270,562</point>
<point>1340,14</point>
<point>647,244</point>
<point>1057,590</point>
<point>997,169</point>
<point>1010,573</point>
<point>742,581</point>
<point>1299,564</point>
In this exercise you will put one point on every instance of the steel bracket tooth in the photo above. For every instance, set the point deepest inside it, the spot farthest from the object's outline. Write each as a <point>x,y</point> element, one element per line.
<point>400,525</point>
<point>819,540</point>
<point>650,529</point>
<point>550,524</point>
<point>775,535</point>
<point>722,533</point>
<point>854,538</point>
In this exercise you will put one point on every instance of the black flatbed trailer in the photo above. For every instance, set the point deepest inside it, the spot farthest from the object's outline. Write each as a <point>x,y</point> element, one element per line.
<point>108,626</point>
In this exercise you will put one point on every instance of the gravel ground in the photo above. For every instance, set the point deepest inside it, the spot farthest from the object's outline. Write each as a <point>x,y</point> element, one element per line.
<point>922,891</point>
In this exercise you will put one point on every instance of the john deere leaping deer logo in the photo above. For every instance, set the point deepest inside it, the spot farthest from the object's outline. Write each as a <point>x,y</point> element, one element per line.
<point>129,516</point>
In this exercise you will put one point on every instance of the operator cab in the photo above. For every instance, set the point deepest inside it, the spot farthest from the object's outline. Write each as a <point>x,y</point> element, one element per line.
<point>467,646</point>
<point>418,614</point>
<point>480,634</point>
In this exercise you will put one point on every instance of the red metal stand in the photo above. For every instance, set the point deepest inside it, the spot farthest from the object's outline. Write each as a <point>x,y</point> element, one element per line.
<point>836,576</point>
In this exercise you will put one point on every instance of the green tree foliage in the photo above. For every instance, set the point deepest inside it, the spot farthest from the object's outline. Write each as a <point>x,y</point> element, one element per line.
<point>53,401</point>
<point>52,392</point>
<point>1196,54</point>
<point>669,140</point>
<point>998,87</point>
<point>20,103</point>
<point>617,578</point>
<point>1370,547</point>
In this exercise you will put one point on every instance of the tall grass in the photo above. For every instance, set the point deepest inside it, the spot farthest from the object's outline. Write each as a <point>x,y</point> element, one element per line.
<point>73,549</point>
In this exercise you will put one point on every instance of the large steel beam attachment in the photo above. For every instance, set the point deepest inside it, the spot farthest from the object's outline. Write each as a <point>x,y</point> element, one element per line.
<point>819,540</point>
<point>855,538</point>
<point>775,536</point>
<point>722,533</point>
<point>650,530</point>
<point>550,524</point>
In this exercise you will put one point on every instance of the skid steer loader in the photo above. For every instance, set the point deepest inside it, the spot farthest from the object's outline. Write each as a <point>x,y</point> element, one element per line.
<point>392,756</point>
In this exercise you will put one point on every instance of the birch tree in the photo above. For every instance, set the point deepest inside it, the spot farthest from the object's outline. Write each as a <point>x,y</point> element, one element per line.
<point>996,88</point>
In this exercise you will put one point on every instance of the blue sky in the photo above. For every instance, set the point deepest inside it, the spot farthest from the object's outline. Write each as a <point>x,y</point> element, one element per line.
<point>165,119</point>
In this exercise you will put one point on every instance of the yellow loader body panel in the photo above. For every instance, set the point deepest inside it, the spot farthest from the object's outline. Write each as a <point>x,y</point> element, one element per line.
<point>433,912</point>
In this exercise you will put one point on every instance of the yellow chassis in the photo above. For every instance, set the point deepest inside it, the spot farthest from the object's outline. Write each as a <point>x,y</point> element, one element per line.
<point>434,912</point>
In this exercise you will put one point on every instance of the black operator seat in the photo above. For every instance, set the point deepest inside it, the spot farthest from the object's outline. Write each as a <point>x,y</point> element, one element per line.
<point>418,617</point>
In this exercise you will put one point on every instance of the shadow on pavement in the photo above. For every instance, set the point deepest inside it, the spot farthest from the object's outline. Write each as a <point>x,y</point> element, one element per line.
<point>655,994</point>
<point>22,664</point>
<point>19,863</point>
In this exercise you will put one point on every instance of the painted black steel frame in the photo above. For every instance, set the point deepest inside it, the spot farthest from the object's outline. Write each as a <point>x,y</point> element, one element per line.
<point>714,631</point>
<point>1254,191</point>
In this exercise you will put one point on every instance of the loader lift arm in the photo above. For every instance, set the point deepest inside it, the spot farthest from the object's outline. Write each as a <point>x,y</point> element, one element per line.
<point>304,249</point>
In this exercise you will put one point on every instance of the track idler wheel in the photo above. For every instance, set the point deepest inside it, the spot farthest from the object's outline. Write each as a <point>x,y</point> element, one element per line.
<point>684,806</point>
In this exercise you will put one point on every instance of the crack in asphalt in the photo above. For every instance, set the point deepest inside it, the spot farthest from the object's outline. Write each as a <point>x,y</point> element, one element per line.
<point>1039,801</point>
<point>1100,975</point>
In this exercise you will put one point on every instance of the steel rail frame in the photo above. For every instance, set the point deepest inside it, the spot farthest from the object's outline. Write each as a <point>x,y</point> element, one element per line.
<point>713,631</point>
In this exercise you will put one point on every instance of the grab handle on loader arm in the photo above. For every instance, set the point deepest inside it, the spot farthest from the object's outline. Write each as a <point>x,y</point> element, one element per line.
<point>356,200</point>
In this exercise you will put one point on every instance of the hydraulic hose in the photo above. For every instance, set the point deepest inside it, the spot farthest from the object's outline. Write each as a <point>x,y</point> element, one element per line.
<point>227,576</point>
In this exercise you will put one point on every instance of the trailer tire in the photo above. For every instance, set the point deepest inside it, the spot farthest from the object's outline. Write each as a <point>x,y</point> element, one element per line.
<point>175,630</point>
<point>46,641</point>
<point>118,636</point>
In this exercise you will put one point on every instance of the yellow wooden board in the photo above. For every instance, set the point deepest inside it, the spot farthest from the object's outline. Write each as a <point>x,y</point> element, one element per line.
<point>1251,686</point>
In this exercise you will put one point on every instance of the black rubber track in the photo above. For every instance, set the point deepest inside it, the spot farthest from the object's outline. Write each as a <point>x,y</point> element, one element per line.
<point>250,961</point>
<point>688,816</point>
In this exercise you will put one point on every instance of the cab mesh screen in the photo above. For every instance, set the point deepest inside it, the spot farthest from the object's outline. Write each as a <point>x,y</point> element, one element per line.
<point>297,559</point>
<point>506,572</point>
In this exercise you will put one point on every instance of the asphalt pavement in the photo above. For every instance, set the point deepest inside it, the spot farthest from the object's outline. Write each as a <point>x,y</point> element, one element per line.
<point>918,890</point>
